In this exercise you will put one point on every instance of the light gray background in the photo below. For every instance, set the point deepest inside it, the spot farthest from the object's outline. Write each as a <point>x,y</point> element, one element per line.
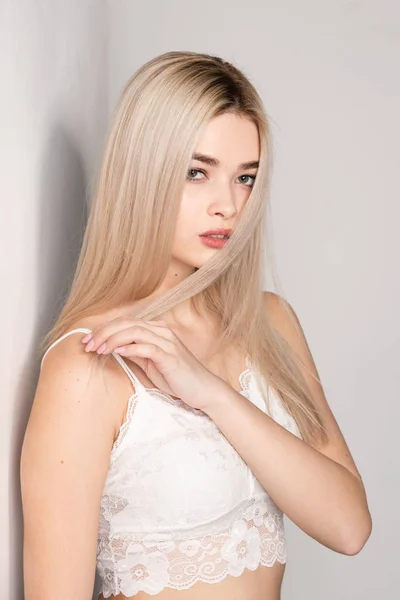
<point>329,76</point>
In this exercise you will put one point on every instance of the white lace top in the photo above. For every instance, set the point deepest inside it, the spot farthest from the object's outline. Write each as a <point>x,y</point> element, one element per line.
<point>179,504</point>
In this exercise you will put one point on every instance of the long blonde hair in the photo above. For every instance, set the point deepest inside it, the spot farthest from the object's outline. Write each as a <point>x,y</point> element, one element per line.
<point>128,239</point>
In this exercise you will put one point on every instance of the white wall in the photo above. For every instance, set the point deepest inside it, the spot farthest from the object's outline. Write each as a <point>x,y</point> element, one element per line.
<point>328,73</point>
<point>53,113</point>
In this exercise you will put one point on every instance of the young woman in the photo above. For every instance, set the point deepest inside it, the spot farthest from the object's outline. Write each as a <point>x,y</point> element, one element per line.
<point>178,413</point>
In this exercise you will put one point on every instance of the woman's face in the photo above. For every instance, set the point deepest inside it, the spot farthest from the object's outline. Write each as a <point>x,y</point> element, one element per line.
<point>218,184</point>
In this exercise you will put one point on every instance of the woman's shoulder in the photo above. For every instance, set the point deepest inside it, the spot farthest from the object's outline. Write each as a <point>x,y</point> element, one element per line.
<point>66,357</point>
<point>72,377</point>
<point>66,363</point>
<point>283,318</point>
<point>68,345</point>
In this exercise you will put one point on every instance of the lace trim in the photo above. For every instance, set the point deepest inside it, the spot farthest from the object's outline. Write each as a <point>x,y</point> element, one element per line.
<point>149,563</point>
<point>132,401</point>
<point>244,382</point>
<point>245,378</point>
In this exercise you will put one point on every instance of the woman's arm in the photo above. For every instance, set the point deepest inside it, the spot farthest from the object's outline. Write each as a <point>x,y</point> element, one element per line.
<point>318,488</point>
<point>64,463</point>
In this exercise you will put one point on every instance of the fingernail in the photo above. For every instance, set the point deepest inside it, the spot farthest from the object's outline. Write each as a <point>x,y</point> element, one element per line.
<point>89,346</point>
<point>86,338</point>
<point>120,349</point>
<point>102,348</point>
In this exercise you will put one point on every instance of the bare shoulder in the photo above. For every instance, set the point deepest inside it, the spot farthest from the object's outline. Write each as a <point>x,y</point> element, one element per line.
<point>69,349</point>
<point>73,376</point>
<point>71,385</point>
<point>285,320</point>
<point>64,464</point>
<point>282,316</point>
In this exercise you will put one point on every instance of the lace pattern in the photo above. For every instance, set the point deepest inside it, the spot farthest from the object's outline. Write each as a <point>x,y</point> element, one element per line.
<point>244,382</point>
<point>214,520</point>
<point>180,505</point>
<point>139,562</point>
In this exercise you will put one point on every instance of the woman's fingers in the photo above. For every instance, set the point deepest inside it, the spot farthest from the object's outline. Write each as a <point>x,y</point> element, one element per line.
<point>136,334</point>
<point>96,340</point>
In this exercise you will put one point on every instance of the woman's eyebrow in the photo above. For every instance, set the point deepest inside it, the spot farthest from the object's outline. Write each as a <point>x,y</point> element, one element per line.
<point>214,162</point>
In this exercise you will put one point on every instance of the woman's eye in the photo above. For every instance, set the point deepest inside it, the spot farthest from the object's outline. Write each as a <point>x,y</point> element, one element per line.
<point>251,177</point>
<point>248,180</point>
<point>189,174</point>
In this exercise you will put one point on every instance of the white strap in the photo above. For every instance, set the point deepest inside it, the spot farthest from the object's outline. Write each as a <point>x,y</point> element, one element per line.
<point>81,329</point>
<point>134,380</point>
<point>136,383</point>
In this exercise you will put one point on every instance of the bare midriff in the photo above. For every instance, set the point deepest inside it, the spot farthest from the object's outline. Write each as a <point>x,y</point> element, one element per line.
<point>262,584</point>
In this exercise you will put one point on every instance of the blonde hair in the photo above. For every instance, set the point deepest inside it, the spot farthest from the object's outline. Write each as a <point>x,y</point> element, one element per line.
<point>127,244</point>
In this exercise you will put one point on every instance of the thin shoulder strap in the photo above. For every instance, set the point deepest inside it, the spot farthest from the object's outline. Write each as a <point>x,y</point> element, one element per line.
<point>81,329</point>
<point>134,380</point>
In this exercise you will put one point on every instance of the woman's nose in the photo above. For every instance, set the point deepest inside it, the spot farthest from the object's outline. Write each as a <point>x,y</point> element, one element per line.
<point>223,201</point>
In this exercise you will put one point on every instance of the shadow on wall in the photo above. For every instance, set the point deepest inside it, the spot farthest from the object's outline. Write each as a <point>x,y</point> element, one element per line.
<point>60,226</point>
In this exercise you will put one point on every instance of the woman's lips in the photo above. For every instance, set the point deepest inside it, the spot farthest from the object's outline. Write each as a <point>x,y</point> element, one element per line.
<point>212,242</point>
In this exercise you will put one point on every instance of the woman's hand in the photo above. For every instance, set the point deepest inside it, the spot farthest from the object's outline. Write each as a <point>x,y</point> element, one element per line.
<point>164,358</point>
